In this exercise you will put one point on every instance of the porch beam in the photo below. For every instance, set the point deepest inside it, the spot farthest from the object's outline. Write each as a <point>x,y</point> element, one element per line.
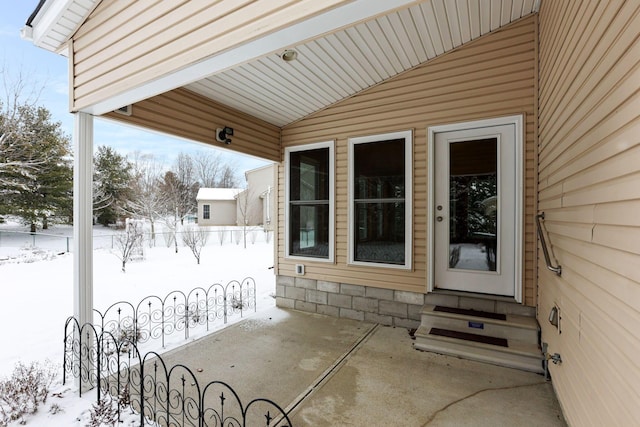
<point>83,218</point>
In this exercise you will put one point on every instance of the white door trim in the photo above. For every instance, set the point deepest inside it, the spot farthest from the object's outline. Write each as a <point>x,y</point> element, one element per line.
<point>518,121</point>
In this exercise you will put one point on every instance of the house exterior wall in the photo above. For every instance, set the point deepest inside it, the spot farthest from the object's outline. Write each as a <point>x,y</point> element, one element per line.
<point>589,189</point>
<point>165,36</point>
<point>491,77</point>
<point>222,212</point>
<point>260,187</point>
<point>186,114</point>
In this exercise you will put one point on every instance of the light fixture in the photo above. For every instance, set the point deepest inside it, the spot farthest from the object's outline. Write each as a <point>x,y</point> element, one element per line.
<point>223,134</point>
<point>289,55</point>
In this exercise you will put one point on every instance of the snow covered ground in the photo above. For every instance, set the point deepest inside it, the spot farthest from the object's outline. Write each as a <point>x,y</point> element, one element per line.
<point>36,284</point>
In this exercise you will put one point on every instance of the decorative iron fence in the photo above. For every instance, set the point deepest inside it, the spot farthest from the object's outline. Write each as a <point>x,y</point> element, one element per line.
<point>166,396</point>
<point>156,318</point>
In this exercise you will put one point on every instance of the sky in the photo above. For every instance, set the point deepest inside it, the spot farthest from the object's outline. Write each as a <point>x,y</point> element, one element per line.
<point>47,71</point>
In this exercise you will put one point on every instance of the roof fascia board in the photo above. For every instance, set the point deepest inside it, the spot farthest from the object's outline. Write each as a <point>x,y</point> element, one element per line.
<point>330,21</point>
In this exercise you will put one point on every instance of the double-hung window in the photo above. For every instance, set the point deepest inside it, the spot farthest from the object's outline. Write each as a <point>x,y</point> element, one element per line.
<point>380,200</point>
<point>206,211</point>
<point>309,201</point>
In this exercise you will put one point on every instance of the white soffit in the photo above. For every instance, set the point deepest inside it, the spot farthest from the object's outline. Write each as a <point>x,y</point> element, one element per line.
<point>335,58</point>
<point>312,28</point>
<point>56,21</point>
<point>343,63</point>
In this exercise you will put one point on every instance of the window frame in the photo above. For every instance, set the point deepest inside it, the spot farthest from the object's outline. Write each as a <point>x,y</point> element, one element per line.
<point>287,163</point>
<point>408,199</point>
<point>206,211</point>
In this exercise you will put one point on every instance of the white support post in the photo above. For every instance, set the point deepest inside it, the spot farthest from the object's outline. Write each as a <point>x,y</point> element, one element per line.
<point>83,222</point>
<point>83,218</point>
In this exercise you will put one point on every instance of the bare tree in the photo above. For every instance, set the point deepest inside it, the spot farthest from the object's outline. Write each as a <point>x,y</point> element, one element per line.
<point>221,235</point>
<point>179,188</point>
<point>213,170</point>
<point>195,238</point>
<point>245,212</point>
<point>129,242</point>
<point>207,168</point>
<point>170,188</point>
<point>188,185</point>
<point>146,201</point>
<point>228,178</point>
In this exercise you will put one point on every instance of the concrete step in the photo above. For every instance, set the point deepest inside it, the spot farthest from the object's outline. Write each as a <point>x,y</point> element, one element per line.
<point>479,302</point>
<point>513,326</point>
<point>518,354</point>
<point>503,339</point>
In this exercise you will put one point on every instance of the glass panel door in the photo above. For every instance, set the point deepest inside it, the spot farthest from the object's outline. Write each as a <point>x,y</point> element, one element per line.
<point>475,214</point>
<point>473,207</point>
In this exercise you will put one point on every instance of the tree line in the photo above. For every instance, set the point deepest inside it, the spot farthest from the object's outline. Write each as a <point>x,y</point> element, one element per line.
<point>139,186</point>
<point>36,175</point>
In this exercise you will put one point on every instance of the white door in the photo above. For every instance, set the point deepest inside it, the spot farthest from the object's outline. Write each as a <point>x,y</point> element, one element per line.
<point>476,206</point>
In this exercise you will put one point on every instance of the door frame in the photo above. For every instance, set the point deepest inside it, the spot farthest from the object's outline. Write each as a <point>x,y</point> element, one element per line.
<point>518,122</point>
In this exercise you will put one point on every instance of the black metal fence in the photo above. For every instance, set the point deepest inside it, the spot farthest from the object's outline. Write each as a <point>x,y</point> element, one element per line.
<point>155,318</point>
<point>160,394</point>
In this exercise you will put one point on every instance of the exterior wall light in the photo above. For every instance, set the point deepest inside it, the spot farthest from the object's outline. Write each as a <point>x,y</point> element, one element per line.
<point>289,55</point>
<point>223,134</point>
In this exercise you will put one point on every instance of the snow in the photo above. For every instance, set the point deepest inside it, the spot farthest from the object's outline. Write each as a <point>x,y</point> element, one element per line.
<point>472,256</point>
<point>218,193</point>
<point>37,289</point>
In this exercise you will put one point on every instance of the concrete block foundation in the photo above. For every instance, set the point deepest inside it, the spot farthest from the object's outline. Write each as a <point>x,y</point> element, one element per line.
<point>357,302</point>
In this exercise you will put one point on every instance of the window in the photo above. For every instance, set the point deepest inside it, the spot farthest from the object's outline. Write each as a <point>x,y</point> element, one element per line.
<point>309,192</point>
<point>380,200</point>
<point>206,211</point>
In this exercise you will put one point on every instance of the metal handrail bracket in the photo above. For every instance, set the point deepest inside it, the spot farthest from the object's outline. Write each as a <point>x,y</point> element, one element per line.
<point>555,268</point>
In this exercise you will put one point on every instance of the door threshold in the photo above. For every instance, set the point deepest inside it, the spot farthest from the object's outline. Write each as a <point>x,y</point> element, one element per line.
<point>476,295</point>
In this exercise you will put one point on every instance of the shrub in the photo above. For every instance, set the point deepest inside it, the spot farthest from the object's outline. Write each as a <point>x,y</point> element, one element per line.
<point>127,336</point>
<point>237,303</point>
<point>27,387</point>
<point>104,412</point>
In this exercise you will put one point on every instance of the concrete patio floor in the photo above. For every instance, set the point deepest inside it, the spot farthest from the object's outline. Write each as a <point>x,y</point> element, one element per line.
<point>339,372</point>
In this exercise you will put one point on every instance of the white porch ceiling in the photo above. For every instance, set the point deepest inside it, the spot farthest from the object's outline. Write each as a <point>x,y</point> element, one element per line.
<point>341,64</point>
<point>329,68</point>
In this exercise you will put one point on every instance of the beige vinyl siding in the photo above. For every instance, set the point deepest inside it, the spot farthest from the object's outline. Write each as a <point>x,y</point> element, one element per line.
<point>192,116</point>
<point>589,188</point>
<point>260,184</point>
<point>124,43</point>
<point>491,77</point>
<point>221,212</point>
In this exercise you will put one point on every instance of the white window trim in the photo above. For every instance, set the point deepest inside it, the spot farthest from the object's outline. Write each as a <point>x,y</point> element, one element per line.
<point>408,213</point>
<point>287,153</point>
